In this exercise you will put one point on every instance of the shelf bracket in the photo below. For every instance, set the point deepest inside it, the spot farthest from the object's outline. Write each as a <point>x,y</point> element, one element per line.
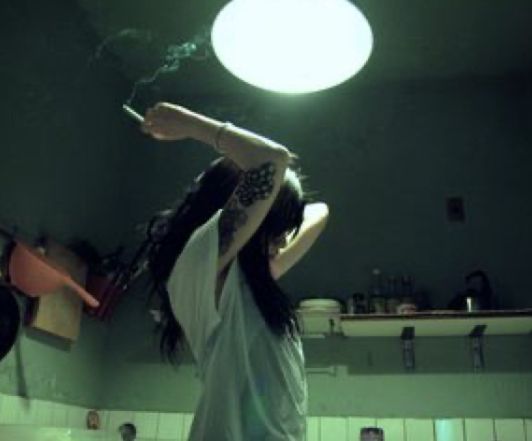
<point>407,339</point>
<point>477,350</point>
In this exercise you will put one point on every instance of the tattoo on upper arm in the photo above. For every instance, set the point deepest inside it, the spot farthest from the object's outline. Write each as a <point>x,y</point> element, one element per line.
<point>255,184</point>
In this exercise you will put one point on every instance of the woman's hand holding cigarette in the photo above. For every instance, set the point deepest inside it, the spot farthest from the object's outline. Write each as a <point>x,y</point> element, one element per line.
<point>169,122</point>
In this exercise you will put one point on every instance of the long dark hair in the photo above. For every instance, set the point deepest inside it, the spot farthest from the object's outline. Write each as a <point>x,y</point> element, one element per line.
<point>172,228</point>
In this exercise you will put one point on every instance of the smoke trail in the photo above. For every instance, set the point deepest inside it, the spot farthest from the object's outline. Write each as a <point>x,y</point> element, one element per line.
<point>131,34</point>
<point>197,48</point>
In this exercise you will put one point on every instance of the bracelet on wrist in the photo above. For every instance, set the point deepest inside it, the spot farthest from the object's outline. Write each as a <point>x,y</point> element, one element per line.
<point>219,132</point>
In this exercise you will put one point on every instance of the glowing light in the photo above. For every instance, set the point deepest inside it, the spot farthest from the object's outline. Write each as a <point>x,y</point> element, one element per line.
<point>292,46</point>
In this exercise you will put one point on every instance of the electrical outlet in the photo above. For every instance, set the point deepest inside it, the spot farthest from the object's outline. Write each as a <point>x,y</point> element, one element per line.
<point>455,209</point>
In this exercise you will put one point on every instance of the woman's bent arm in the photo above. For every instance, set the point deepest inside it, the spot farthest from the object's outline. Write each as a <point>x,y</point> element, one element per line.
<point>262,164</point>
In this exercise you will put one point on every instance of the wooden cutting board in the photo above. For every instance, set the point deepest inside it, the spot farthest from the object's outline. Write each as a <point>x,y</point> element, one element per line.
<point>59,313</point>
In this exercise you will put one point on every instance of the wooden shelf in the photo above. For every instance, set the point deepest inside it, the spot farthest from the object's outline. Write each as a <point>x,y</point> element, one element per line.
<point>423,324</point>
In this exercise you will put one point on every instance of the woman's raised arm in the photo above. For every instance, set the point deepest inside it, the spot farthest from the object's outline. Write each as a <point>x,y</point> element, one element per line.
<point>262,164</point>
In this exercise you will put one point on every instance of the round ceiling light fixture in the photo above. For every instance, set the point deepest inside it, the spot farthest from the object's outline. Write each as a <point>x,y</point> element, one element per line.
<point>292,46</point>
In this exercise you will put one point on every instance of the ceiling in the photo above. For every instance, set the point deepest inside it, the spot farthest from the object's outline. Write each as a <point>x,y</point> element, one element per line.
<point>414,39</point>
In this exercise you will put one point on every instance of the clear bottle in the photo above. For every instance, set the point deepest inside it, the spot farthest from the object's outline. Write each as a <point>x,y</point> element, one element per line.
<point>376,282</point>
<point>360,303</point>
<point>392,299</point>
<point>408,303</point>
<point>407,283</point>
<point>376,294</point>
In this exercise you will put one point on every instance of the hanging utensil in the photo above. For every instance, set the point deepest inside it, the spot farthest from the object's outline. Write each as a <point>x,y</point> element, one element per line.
<point>36,275</point>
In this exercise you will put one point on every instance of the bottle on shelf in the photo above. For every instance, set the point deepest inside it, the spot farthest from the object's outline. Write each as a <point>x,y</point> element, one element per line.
<point>392,298</point>
<point>361,303</point>
<point>408,303</point>
<point>377,300</point>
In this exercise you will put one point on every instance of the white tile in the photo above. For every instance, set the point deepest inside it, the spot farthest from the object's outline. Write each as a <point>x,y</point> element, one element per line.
<point>146,424</point>
<point>354,424</point>
<point>26,411</point>
<point>333,429</point>
<point>77,417</point>
<point>394,428</point>
<point>419,429</point>
<point>41,412</point>
<point>479,429</point>
<point>104,419</point>
<point>187,422</point>
<point>449,429</point>
<point>313,429</point>
<point>9,410</point>
<point>48,413</point>
<point>528,429</point>
<point>510,429</point>
<point>117,418</point>
<point>60,415</point>
<point>170,426</point>
<point>22,407</point>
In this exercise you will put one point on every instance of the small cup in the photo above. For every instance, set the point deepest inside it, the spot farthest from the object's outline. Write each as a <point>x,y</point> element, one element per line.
<point>371,434</point>
<point>406,308</point>
<point>93,420</point>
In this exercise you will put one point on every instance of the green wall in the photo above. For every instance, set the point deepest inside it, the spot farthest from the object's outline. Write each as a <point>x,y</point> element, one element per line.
<point>64,149</point>
<point>384,157</point>
<point>42,366</point>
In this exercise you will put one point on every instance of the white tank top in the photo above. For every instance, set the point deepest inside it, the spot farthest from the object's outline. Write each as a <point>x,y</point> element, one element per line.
<point>254,384</point>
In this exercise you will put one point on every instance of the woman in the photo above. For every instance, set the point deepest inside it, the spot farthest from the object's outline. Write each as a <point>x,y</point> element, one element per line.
<point>242,225</point>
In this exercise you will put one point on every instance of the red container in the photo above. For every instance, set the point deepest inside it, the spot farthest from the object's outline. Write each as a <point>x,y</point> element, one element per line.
<point>36,275</point>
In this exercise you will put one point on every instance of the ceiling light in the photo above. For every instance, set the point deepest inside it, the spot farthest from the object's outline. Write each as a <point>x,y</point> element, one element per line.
<point>292,46</point>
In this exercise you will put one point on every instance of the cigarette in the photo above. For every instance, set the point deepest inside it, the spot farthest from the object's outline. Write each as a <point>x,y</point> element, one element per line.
<point>136,116</point>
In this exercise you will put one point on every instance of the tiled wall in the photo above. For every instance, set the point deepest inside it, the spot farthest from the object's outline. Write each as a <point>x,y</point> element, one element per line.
<point>175,426</point>
<point>150,425</point>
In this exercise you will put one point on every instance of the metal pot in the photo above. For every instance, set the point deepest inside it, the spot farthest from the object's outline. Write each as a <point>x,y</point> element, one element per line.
<point>9,320</point>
